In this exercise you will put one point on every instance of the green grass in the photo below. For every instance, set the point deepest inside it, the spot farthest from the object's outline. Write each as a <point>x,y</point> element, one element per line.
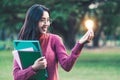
<point>6,60</point>
<point>91,65</point>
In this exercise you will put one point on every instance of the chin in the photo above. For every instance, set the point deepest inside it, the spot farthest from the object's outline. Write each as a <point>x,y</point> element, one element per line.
<point>43,32</point>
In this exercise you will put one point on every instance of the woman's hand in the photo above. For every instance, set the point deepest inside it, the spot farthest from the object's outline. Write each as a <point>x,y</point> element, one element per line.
<point>87,37</point>
<point>40,63</point>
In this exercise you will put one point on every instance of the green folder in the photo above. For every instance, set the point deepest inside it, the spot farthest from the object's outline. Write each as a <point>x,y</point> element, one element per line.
<point>27,58</point>
<point>22,44</point>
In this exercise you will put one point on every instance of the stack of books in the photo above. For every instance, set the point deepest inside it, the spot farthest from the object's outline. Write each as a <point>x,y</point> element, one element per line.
<point>26,52</point>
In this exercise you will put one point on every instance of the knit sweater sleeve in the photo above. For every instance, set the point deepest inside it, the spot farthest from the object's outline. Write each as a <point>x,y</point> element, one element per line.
<point>65,60</point>
<point>22,74</point>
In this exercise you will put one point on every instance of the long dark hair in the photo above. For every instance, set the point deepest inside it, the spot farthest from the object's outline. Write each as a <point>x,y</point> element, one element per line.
<point>29,30</point>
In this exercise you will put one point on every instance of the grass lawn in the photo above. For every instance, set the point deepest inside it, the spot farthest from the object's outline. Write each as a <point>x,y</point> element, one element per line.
<point>94,64</point>
<point>6,60</point>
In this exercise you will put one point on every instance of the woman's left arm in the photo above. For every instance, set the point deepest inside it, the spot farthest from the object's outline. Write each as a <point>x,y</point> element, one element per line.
<point>67,61</point>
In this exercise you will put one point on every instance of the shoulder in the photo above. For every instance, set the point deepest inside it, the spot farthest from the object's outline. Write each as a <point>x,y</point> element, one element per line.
<point>56,39</point>
<point>55,36</point>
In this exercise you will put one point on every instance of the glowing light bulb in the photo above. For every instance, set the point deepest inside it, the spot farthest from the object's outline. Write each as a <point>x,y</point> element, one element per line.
<point>89,24</point>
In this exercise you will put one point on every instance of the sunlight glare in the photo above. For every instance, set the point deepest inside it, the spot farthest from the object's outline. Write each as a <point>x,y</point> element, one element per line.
<point>89,24</point>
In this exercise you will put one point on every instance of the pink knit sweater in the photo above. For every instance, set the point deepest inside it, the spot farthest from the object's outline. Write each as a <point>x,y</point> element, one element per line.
<point>54,52</point>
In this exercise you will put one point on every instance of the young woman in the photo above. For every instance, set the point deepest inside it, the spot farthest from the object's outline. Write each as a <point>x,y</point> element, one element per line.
<point>35,28</point>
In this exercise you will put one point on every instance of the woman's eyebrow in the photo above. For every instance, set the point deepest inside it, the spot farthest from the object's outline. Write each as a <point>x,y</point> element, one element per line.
<point>44,18</point>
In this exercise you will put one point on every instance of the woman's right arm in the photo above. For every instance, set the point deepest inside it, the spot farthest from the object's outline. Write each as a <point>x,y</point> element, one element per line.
<point>22,74</point>
<point>25,74</point>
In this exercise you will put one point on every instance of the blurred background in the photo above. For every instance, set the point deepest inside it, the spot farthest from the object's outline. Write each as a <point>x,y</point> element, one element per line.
<point>70,20</point>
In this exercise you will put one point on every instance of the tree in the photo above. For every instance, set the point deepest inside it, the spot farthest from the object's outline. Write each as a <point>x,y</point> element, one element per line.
<point>13,14</point>
<point>67,16</point>
<point>108,15</point>
<point>67,20</point>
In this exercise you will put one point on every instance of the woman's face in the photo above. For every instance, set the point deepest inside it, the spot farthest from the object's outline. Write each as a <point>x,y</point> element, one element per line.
<point>44,23</point>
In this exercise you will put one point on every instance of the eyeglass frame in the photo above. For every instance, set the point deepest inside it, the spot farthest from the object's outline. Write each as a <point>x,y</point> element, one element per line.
<point>46,21</point>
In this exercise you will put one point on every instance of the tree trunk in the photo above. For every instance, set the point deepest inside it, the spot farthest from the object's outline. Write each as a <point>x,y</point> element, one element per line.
<point>96,41</point>
<point>97,36</point>
<point>2,36</point>
<point>70,40</point>
<point>72,30</point>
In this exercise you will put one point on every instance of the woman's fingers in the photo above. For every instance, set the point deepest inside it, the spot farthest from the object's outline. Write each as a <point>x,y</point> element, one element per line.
<point>42,62</point>
<point>87,37</point>
<point>91,35</point>
<point>84,38</point>
<point>42,58</point>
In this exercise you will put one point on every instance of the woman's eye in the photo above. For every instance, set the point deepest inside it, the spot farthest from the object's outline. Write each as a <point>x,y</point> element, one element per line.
<point>42,20</point>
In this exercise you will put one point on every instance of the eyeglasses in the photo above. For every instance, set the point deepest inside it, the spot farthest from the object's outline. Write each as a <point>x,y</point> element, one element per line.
<point>46,21</point>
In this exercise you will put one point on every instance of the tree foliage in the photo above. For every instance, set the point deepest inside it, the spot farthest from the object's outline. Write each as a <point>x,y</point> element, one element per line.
<point>108,15</point>
<point>67,16</point>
